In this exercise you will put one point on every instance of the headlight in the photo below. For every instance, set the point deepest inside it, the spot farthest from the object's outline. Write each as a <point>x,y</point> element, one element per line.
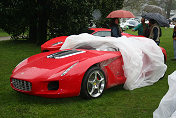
<point>20,65</point>
<point>57,43</point>
<point>66,71</point>
<point>21,62</point>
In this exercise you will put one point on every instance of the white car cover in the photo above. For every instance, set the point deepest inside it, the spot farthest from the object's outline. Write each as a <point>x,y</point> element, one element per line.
<point>167,106</point>
<point>143,59</point>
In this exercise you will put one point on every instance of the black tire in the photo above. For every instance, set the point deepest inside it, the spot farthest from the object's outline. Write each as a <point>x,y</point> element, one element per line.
<point>93,83</point>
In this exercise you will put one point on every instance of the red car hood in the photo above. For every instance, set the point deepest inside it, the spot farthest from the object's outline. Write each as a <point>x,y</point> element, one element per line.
<point>44,66</point>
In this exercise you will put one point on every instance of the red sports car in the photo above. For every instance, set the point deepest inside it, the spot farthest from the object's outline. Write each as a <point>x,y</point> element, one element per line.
<point>66,73</point>
<point>56,43</point>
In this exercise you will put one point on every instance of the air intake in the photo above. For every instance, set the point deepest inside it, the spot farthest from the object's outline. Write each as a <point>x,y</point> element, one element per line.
<point>64,54</point>
<point>21,84</point>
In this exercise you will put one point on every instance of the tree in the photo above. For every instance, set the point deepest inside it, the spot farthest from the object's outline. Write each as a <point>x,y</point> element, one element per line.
<point>69,17</point>
<point>105,7</point>
<point>167,5</point>
<point>50,17</point>
<point>11,20</point>
<point>134,6</point>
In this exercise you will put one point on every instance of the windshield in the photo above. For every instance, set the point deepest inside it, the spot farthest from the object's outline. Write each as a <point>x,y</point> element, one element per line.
<point>103,33</point>
<point>87,31</point>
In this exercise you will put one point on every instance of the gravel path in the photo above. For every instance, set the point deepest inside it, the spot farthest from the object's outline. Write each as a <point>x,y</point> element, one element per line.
<point>4,38</point>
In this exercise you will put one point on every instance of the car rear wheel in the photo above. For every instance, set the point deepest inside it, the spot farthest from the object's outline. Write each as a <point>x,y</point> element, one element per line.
<point>93,83</point>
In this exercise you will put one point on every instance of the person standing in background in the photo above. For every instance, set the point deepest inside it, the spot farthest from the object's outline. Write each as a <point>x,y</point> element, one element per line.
<point>142,28</point>
<point>155,31</point>
<point>174,42</point>
<point>115,28</point>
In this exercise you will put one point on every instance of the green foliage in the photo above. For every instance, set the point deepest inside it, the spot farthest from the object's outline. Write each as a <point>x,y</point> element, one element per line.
<point>105,7</point>
<point>3,34</point>
<point>12,20</point>
<point>52,17</point>
<point>69,17</point>
<point>74,16</point>
<point>173,5</point>
<point>137,7</point>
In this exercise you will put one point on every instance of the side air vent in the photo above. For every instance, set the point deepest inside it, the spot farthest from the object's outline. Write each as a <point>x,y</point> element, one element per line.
<point>64,54</point>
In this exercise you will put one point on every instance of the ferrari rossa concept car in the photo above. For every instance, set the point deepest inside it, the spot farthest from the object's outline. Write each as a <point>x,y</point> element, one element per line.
<point>56,43</point>
<point>68,73</point>
<point>71,72</point>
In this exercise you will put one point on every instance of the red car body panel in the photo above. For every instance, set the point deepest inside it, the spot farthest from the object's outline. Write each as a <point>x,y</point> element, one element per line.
<point>99,29</point>
<point>165,54</point>
<point>48,46</point>
<point>40,70</point>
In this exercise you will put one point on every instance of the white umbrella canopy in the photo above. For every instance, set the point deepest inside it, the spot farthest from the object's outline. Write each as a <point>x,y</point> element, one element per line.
<point>153,9</point>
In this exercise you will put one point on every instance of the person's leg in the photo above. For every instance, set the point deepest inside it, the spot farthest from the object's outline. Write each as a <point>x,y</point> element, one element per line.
<point>174,44</point>
<point>157,42</point>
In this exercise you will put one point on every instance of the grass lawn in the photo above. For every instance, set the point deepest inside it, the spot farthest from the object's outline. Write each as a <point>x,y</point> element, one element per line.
<point>3,34</point>
<point>115,102</point>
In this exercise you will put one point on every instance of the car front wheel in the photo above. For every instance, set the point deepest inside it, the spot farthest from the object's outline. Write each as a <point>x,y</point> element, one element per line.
<point>93,84</point>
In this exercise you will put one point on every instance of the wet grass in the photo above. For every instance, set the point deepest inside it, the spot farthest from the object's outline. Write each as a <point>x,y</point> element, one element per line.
<point>115,102</point>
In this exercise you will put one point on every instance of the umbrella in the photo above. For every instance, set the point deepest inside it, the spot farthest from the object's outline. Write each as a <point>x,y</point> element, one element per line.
<point>153,9</point>
<point>120,14</point>
<point>162,21</point>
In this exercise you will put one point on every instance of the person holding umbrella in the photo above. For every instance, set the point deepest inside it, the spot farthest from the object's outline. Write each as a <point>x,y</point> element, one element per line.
<point>156,21</point>
<point>115,28</point>
<point>155,31</point>
<point>115,22</point>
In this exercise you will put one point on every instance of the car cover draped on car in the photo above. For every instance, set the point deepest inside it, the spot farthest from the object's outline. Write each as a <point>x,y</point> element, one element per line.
<point>143,59</point>
<point>167,106</point>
